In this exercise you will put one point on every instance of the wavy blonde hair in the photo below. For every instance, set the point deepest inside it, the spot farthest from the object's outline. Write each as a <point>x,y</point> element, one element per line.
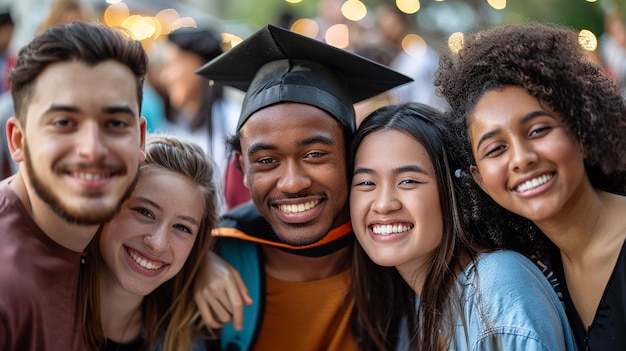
<point>169,312</point>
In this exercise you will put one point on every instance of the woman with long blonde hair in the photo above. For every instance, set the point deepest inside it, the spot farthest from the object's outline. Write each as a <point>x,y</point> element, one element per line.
<point>139,272</point>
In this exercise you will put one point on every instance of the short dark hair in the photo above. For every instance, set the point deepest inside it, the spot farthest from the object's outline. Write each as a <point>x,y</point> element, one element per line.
<point>90,43</point>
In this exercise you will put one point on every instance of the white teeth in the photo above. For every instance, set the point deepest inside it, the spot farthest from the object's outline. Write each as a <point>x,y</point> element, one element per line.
<point>390,229</point>
<point>90,176</point>
<point>533,183</point>
<point>299,207</point>
<point>145,264</point>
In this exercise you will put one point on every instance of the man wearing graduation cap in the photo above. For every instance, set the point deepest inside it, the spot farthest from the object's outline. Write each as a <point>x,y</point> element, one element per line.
<point>292,244</point>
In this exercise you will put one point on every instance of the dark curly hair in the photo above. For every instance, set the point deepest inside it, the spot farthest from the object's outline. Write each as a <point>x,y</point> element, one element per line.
<point>548,62</point>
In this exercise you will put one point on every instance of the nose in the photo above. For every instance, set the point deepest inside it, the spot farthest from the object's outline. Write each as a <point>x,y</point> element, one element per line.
<point>386,201</point>
<point>294,179</point>
<point>90,141</point>
<point>523,155</point>
<point>157,241</point>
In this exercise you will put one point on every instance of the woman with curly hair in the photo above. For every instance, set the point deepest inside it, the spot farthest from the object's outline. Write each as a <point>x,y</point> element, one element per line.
<point>540,143</point>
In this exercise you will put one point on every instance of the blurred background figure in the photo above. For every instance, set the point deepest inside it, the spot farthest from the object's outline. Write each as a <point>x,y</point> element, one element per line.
<point>7,61</point>
<point>204,113</point>
<point>66,11</point>
<point>378,54</point>
<point>415,59</point>
<point>329,14</point>
<point>613,48</point>
<point>7,56</point>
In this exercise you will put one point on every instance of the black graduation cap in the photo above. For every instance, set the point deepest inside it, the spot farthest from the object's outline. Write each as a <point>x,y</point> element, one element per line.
<point>276,65</point>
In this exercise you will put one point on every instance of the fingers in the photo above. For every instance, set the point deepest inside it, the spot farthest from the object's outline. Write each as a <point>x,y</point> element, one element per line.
<point>243,289</point>
<point>237,295</point>
<point>222,295</point>
<point>205,312</point>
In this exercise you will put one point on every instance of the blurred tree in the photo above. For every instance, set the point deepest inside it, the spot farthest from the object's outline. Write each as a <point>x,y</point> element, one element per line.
<point>579,14</point>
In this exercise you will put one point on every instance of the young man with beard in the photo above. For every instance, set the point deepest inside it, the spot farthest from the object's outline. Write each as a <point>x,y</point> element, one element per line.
<point>293,243</point>
<point>79,140</point>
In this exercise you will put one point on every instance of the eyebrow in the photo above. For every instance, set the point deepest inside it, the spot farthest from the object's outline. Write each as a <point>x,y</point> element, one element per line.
<point>259,147</point>
<point>118,109</point>
<point>526,118</point>
<point>317,139</point>
<point>304,142</point>
<point>399,170</point>
<point>158,207</point>
<point>73,109</point>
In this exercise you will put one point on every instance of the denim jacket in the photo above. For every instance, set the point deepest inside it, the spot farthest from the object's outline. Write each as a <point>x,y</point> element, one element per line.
<point>507,304</point>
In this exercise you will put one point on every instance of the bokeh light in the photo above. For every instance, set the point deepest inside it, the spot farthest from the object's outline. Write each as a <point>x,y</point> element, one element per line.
<point>587,40</point>
<point>229,41</point>
<point>115,14</point>
<point>408,6</point>
<point>166,18</point>
<point>414,45</point>
<point>338,35</point>
<point>455,42</point>
<point>306,27</point>
<point>497,4</point>
<point>143,28</point>
<point>354,10</point>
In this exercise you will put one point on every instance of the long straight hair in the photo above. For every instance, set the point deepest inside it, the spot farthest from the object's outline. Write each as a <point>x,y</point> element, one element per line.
<point>169,313</point>
<point>382,298</point>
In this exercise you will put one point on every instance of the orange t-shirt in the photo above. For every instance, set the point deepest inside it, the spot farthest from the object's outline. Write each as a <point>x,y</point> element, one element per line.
<point>305,316</point>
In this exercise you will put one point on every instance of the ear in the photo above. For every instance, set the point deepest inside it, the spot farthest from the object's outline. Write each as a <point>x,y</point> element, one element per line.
<point>143,125</point>
<point>15,139</point>
<point>477,177</point>
<point>239,158</point>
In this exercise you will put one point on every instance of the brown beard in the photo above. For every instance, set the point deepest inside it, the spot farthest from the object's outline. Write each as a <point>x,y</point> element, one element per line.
<point>85,217</point>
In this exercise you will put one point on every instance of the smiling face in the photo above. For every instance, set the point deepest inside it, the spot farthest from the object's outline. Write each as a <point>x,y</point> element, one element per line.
<point>394,202</point>
<point>148,242</point>
<point>82,141</point>
<point>526,159</point>
<point>294,162</point>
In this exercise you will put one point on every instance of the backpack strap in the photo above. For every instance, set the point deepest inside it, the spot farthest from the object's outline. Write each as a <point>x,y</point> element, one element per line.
<point>244,257</point>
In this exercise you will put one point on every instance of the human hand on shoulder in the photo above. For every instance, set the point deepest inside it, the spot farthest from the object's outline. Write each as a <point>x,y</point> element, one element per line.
<point>221,295</point>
